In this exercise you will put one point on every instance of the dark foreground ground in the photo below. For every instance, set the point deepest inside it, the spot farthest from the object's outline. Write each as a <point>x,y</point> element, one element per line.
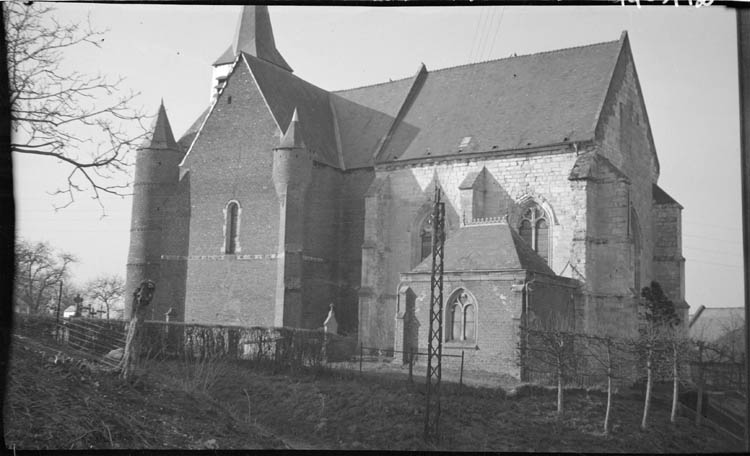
<point>218,405</point>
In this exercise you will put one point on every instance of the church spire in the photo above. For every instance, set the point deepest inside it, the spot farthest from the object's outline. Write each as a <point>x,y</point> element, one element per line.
<point>292,139</point>
<point>254,36</point>
<point>161,136</point>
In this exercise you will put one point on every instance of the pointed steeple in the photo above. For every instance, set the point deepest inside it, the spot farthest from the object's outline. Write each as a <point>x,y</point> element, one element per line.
<point>161,136</point>
<point>254,36</point>
<point>292,139</point>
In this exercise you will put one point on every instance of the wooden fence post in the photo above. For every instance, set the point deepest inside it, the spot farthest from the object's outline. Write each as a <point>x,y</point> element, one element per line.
<point>461,375</point>
<point>411,365</point>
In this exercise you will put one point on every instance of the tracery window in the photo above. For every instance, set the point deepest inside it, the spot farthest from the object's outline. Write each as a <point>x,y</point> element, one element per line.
<point>461,319</point>
<point>534,230</point>
<point>230,233</point>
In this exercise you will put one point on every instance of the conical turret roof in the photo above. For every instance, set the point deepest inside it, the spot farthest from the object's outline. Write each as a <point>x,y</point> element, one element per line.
<point>161,136</point>
<point>254,36</point>
<point>292,139</point>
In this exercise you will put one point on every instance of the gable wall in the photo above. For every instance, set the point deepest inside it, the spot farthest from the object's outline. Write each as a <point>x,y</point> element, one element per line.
<point>232,160</point>
<point>170,291</point>
<point>624,138</point>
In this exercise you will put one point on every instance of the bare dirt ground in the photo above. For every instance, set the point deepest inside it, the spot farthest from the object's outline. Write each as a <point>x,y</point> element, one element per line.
<point>221,405</point>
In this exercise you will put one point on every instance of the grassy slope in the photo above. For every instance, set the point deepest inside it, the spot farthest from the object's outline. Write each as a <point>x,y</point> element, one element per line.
<point>345,413</point>
<point>59,406</point>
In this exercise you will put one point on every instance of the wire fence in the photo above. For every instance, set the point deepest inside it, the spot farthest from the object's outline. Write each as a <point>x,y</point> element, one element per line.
<point>295,349</point>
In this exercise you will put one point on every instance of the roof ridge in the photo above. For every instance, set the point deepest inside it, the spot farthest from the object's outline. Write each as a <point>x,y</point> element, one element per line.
<point>480,63</point>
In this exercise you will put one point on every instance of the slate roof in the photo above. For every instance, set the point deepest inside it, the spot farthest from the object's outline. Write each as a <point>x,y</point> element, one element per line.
<point>507,104</point>
<point>284,92</point>
<point>293,138</point>
<point>161,136</point>
<point>661,197</point>
<point>512,103</point>
<point>487,247</point>
<point>187,138</point>
<point>588,166</point>
<point>254,36</point>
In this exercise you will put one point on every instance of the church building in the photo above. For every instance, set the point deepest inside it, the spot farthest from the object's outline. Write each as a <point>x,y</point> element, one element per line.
<point>284,198</point>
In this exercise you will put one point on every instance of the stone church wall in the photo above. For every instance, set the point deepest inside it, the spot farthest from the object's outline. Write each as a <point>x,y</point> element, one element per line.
<point>232,160</point>
<point>499,311</point>
<point>354,185</point>
<point>498,314</point>
<point>542,176</point>
<point>170,288</point>
<point>320,245</point>
<point>623,137</point>
<point>669,264</point>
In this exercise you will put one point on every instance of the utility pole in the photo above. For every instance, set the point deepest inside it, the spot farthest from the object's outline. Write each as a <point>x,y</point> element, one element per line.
<point>435,342</point>
<point>743,65</point>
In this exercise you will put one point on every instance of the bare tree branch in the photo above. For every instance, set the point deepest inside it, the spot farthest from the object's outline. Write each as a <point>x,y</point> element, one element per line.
<point>79,120</point>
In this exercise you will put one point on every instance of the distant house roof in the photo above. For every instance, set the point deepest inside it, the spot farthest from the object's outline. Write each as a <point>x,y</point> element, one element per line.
<point>487,247</point>
<point>512,103</point>
<point>69,311</point>
<point>710,324</point>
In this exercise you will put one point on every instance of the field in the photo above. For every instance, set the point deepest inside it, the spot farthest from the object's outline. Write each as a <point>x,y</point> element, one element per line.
<point>222,405</point>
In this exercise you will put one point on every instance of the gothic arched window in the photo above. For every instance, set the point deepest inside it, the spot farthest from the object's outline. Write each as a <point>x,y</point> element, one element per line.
<point>231,227</point>
<point>534,230</point>
<point>461,319</point>
<point>425,238</point>
<point>455,320</point>
<point>469,322</point>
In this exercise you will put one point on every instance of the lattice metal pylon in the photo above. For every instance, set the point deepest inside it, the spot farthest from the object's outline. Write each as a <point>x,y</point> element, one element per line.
<point>435,342</point>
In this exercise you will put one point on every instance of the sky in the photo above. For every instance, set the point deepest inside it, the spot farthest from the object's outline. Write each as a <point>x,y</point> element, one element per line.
<point>686,59</point>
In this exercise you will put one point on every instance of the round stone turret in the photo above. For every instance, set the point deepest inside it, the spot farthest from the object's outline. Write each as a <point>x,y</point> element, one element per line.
<point>292,162</point>
<point>156,175</point>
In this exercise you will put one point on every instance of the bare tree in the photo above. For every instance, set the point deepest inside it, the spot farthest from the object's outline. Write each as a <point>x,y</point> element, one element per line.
<point>678,344</point>
<point>39,270</point>
<point>550,346</point>
<point>74,118</point>
<point>657,314</point>
<point>608,353</point>
<point>107,291</point>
